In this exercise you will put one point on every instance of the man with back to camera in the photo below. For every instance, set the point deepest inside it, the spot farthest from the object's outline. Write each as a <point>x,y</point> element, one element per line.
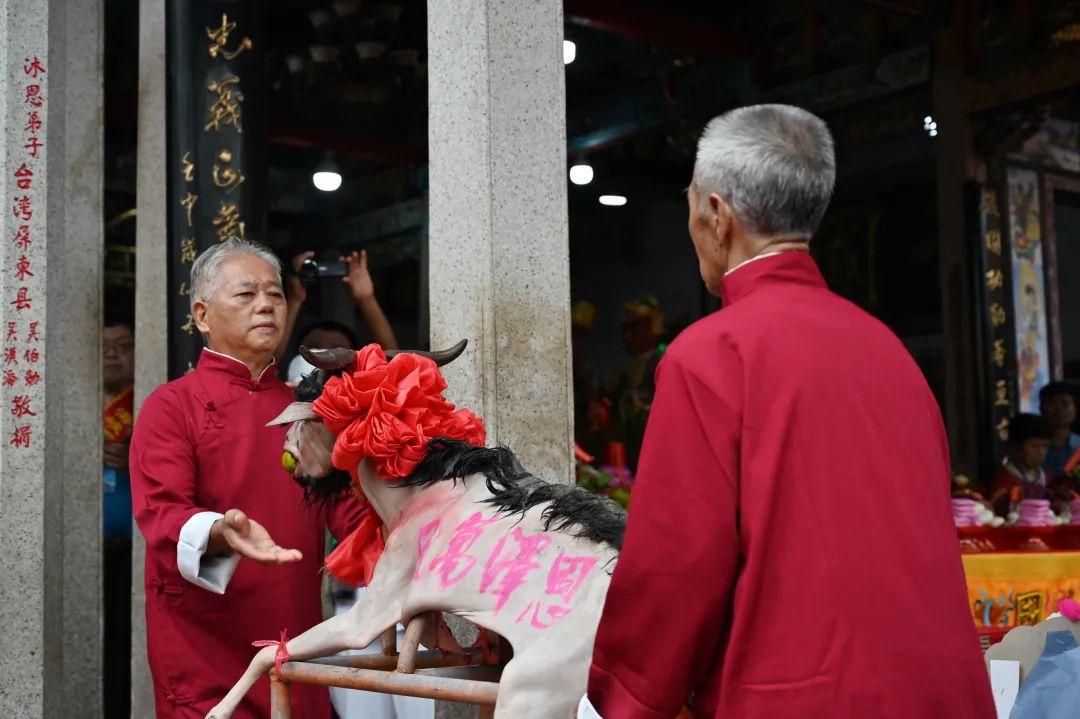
<point>208,488</point>
<point>791,538</point>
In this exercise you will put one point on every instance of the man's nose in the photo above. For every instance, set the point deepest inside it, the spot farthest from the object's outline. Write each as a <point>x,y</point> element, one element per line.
<point>264,303</point>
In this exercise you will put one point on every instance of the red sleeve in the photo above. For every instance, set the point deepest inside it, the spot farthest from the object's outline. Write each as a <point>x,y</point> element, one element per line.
<point>345,516</point>
<point>675,573</point>
<point>162,471</point>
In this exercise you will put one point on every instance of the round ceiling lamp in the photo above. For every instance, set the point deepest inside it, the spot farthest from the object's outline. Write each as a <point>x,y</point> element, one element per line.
<point>327,176</point>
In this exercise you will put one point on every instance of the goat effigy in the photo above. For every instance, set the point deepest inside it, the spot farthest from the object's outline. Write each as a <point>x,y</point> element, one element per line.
<point>455,527</point>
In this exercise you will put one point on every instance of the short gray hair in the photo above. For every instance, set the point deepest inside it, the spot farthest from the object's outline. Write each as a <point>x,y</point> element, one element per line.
<point>205,270</point>
<point>772,164</point>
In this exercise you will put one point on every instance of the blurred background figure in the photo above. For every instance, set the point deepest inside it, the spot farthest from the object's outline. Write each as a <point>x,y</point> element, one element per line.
<point>118,380</point>
<point>1022,476</point>
<point>1058,407</point>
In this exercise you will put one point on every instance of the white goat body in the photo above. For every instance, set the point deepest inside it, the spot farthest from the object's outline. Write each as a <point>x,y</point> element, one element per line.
<point>450,550</point>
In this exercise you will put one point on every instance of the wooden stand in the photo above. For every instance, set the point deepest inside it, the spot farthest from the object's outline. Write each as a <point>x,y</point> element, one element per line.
<point>413,673</point>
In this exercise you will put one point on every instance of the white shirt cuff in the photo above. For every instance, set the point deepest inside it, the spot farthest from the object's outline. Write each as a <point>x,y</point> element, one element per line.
<point>585,709</point>
<point>212,574</point>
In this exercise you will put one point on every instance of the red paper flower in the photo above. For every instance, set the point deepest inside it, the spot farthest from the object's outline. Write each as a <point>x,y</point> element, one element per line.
<point>388,412</point>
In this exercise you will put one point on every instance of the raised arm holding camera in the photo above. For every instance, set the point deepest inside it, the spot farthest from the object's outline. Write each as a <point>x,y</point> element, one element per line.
<point>353,271</point>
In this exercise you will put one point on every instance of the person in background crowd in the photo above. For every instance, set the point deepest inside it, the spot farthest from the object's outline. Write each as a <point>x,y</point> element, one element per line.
<point>1058,406</point>
<point>791,537</point>
<point>329,334</point>
<point>1022,475</point>
<point>118,379</point>
<point>200,452</point>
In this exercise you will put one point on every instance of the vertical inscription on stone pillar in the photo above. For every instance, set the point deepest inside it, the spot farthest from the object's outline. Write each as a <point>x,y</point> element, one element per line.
<point>24,265</point>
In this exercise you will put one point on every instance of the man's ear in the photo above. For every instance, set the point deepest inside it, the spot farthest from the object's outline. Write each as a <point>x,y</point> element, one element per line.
<point>198,313</point>
<point>724,219</point>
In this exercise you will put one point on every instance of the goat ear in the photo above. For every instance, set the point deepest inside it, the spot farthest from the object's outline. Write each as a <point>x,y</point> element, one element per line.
<point>295,412</point>
<point>440,357</point>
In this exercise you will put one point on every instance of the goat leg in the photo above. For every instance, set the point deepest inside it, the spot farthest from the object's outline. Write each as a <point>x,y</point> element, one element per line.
<point>354,629</point>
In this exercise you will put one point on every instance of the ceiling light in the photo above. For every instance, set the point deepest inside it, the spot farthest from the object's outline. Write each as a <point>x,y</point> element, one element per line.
<point>295,63</point>
<point>569,52</point>
<point>612,200</point>
<point>323,53</point>
<point>320,18</point>
<point>933,133</point>
<point>326,177</point>
<point>347,7</point>
<point>326,181</point>
<point>581,174</point>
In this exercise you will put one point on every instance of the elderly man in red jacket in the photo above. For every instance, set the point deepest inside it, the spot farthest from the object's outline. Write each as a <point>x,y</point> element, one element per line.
<point>790,548</point>
<point>208,489</point>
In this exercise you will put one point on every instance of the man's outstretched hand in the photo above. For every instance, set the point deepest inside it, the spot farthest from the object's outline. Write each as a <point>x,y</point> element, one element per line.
<point>248,538</point>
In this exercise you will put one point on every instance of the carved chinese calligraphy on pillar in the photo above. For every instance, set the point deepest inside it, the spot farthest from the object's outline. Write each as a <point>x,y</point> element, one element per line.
<point>216,102</point>
<point>1000,361</point>
<point>23,358</point>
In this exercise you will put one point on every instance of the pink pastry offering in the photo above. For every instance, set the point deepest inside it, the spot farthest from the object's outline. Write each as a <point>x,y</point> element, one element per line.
<point>964,513</point>
<point>1035,513</point>
<point>1070,609</point>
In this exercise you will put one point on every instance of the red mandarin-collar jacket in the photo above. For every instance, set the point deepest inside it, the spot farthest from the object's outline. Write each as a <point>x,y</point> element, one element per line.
<point>790,550</point>
<point>200,445</point>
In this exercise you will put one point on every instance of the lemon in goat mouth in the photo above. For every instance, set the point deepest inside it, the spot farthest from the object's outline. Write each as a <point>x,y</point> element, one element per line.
<point>288,461</point>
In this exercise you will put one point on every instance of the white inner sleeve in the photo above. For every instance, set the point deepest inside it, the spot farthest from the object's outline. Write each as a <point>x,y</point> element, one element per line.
<point>210,573</point>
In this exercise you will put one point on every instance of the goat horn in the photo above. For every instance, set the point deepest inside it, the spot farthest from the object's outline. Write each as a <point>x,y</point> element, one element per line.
<point>440,357</point>
<point>328,360</point>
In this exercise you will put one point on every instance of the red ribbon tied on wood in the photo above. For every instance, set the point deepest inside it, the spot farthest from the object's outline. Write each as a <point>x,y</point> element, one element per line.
<point>281,655</point>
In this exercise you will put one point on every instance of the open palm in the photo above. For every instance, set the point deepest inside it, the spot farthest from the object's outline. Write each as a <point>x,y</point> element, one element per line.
<point>358,278</point>
<point>250,539</point>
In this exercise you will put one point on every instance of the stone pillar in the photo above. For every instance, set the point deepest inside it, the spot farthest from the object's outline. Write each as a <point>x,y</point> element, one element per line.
<point>498,250</point>
<point>151,295</point>
<point>50,422</point>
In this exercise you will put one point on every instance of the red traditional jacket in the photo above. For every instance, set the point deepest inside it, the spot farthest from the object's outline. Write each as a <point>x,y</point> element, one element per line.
<point>790,550</point>
<point>200,445</point>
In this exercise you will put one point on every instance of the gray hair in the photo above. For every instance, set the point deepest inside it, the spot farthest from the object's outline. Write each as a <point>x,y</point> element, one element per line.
<point>772,164</point>
<point>205,271</point>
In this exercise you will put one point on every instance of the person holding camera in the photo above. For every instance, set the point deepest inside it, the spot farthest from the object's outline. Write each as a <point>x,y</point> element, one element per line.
<point>353,270</point>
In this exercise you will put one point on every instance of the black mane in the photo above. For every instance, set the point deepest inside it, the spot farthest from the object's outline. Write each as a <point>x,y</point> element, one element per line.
<point>310,387</point>
<point>515,491</point>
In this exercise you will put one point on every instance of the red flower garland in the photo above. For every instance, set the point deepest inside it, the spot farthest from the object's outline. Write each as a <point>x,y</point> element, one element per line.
<point>388,412</point>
